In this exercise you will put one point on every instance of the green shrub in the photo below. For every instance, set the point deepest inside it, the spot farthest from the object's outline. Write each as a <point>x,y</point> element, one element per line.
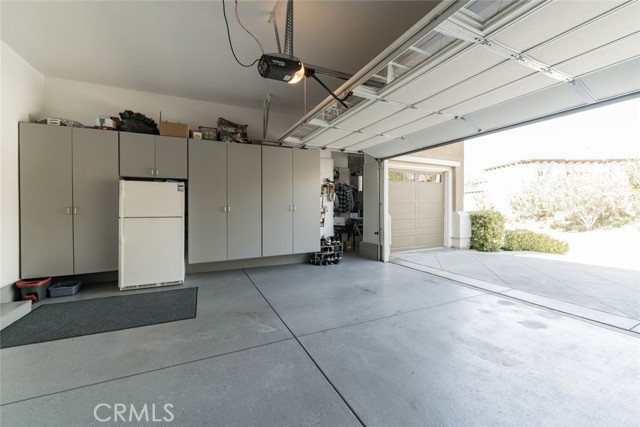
<point>487,231</point>
<point>525,240</point>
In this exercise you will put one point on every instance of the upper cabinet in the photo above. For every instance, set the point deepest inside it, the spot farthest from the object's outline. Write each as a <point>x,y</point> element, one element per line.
<point>171,157</point>
<point>152,156</point>
<point>68,200</point>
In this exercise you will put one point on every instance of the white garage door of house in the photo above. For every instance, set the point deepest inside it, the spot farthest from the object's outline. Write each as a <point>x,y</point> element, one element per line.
<point>416,207</point>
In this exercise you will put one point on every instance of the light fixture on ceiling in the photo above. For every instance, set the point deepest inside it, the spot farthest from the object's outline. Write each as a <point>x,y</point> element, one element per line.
<point>285,67</point>
<point>277,66</point>
<point>290,69</point>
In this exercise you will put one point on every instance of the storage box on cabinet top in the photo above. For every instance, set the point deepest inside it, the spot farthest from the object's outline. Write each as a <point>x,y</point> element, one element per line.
<point>174,129</point>
<point>208,133</point>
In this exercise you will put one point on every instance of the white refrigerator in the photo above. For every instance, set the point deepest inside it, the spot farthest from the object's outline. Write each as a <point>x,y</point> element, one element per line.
<point>151,246</point>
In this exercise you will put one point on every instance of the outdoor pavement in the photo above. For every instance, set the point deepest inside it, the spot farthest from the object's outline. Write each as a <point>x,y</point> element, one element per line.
<point>537,278</point>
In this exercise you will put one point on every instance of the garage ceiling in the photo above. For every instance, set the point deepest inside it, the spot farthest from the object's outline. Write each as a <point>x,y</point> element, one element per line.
<point>180,48</point>
<point>473,67</point>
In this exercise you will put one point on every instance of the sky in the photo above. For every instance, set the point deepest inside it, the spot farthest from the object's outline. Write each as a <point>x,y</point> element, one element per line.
<point>612,131</point>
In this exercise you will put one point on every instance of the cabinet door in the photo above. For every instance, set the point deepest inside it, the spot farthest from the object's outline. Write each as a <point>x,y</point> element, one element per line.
<point>171,157</point>
<point>306,199</point>
<point>46,223</point>
<point>137,155</point>
<point>244,200</point>
<point>207,196</point>
<point>277,204</point>
<point>95,200</point>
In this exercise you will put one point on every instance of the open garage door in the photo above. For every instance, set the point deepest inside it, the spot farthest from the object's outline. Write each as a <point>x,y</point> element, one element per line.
<point>480,66</point>
<point>416,207</point>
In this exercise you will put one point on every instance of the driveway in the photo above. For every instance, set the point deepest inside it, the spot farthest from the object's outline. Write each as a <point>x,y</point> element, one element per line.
<point>538,278</point>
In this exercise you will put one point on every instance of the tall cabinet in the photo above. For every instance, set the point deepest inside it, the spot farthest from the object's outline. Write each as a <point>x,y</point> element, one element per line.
<point>224,201</point>
<point>291,201</point>
<point>68,200</point>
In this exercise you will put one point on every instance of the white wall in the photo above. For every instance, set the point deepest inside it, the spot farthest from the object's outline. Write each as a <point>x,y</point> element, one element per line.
<point>84,102</point>
<point>22,93</point>
<point>340,160</point>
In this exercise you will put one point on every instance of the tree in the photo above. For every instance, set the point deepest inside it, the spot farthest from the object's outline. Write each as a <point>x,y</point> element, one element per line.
<point>587,196</point>
<point>535,201</point>
<point>582,198</point>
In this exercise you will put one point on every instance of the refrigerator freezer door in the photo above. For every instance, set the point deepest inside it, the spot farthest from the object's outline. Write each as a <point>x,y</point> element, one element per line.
<point>151,252</point>
<point>147,199</point>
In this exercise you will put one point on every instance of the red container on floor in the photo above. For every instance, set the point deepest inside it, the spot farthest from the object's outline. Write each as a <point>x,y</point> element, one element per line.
<point>34,288</point>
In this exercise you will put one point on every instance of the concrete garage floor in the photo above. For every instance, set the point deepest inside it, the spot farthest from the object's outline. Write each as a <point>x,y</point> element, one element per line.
<point>609,295</point>
<point>361,343</point>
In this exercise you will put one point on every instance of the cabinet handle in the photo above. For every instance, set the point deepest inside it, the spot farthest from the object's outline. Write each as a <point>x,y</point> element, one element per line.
<point>157,172</point>
<point>153,171</point>
<point>75,210</point>
<point>224,209</point>
<point>228,209</point>
<point>294,208</point>
<point>68,211</point>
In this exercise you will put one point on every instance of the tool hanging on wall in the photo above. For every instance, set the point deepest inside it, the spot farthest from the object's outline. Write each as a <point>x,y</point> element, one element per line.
<point>329,190</point>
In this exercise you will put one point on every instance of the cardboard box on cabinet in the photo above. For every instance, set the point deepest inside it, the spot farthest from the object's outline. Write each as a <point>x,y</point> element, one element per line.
<point>174,129</point>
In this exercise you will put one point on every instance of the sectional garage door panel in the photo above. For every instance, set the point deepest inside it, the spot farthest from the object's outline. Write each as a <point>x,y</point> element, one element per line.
<point>416,210</point>
<point>605,30</point>
<point>550,20</point>
<point>627,77</point>
<point>613,53</point>
<point>478,66</point>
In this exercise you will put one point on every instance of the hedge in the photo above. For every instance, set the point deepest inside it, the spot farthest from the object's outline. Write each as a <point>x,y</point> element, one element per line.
<point>487,231</point>
<point>525,240</point>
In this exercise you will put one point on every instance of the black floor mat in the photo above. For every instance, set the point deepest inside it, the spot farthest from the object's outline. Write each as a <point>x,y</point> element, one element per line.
<point>57,321</point>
